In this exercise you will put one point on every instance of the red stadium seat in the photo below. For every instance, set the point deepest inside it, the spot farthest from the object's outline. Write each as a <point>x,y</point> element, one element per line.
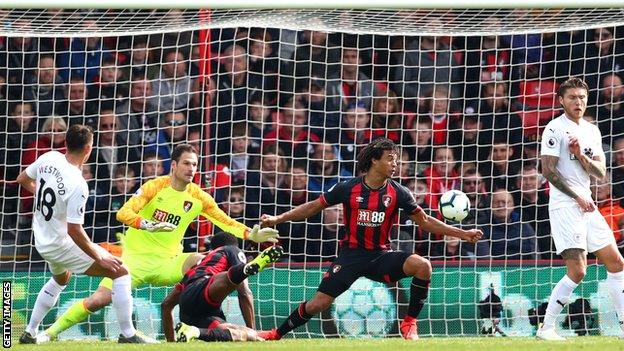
<point>538,93</point>
<point>534,121</point>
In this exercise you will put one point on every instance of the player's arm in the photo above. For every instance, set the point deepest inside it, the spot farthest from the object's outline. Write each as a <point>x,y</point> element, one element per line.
<point>211,210</point>
<point>595,166</point>
<point>433,225</point>
<point>298,213</point>
<point>76,203</point>
<point>166,312</point>
<point>27,182</point>
<point>128,214</point>
<point>245,302</point>
<point>550,172</point>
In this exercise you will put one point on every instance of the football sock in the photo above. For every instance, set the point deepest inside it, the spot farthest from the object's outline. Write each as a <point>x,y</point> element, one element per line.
<point>615,282</point>
<point>122,304</point>
<point>560,297</point>
<point>48,295</point>
<point>297,318</point>
<point>74,315</point>
<point>419,289</point>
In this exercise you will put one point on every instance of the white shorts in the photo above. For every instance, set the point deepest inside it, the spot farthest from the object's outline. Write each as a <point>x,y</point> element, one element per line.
<point>68,258</point>
<point>573,229</point>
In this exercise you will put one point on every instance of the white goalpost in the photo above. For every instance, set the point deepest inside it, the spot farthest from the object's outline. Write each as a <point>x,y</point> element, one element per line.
<point>279,97</point>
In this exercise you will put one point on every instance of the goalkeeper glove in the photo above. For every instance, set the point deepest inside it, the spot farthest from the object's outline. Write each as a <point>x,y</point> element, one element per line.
<point>152,226</point>
<point>261,235</point>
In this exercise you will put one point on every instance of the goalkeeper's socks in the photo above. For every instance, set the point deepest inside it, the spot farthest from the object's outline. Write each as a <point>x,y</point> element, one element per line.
<point>122,304</point>
<point>48,295</point>
<point>615,282</point>
<point>74,315</point>
<point>296,319</point>
<point>237,274</point>
<point>419,289</point>
<point>559,298</point>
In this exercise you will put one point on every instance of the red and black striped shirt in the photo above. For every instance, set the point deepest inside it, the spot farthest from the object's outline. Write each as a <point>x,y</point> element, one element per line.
<point>369,214</point>
<point>216,261</point>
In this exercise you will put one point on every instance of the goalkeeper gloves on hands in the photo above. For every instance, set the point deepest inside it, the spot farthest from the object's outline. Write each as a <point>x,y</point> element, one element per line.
<point>261,235</point>
<point>152,226</point>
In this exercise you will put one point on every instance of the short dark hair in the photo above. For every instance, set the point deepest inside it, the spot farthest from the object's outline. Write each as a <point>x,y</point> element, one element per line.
<point>572,83</point>
<point>180,149</point>
<point>374,151</point>
<point>77,137</point>
<point>222,239</point>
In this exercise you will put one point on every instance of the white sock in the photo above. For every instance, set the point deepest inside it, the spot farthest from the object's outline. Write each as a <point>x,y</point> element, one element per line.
<point>615,281</point>
<point>560,297</point>
<point>122,304</point>
<point>48,295</point>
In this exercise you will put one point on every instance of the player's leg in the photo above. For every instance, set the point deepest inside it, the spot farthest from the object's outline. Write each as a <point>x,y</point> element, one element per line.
<point>46,299</point>
<point>614,263</point>
<point>576,267</point>
<point>569,232</point>
<point>419,269</point>
<point>121,298</point>
<point>392,266</point>
<point>81,310</point>
<point>339,277</point>
<point>224,283</point>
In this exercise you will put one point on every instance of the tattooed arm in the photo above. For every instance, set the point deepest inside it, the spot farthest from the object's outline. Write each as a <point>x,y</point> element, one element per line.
<point>549,170</point>
<point>595,166</point>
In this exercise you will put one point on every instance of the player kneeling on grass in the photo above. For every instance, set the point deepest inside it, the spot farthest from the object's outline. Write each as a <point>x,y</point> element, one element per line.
<point>60,239</point>
<point>371,205</point>
<point>204,287</point>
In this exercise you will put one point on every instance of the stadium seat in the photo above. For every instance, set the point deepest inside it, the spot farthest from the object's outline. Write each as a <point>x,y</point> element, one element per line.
<point>534,121</point>
<point>538,93</point>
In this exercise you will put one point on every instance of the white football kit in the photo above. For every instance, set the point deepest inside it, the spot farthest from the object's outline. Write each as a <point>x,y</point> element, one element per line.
<point>60,197</point>
<point>570,226</point>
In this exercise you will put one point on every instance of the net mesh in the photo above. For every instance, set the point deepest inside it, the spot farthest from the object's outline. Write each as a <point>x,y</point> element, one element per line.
<point>280,102</point>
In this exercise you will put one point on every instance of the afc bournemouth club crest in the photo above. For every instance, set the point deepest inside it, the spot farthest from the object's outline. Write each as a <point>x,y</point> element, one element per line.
<point>336,268</point>
<point>387,200</point>
<point>187,206</point>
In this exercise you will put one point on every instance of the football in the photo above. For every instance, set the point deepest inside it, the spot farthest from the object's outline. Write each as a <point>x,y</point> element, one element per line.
<point>454,205</point>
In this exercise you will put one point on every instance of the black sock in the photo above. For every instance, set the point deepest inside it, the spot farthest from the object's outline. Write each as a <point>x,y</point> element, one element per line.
<point>419,289</point>
<point>297,318</point>
<point>237,274</point>
<point>215,334</point>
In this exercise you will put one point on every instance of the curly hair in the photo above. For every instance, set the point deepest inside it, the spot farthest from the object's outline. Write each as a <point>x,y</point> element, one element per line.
<point>374,151</point>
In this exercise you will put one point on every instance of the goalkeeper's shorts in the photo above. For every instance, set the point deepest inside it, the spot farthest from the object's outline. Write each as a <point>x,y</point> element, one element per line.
<point>152,269</point>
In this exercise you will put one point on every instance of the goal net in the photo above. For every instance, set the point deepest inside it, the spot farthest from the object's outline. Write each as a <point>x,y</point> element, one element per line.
<point>279,102</point>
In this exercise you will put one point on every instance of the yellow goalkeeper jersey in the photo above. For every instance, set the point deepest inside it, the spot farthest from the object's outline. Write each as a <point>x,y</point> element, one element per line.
<point>157,201</point>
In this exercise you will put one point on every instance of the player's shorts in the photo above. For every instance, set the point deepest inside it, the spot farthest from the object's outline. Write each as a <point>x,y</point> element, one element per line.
<point>572,228</point>
<point>152,269</point>
<point>196,307</point>
<point>351,264</point>
<point>68,258</point>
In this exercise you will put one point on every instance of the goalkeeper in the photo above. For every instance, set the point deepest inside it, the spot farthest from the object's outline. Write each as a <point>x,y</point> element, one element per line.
<point>158,215</point>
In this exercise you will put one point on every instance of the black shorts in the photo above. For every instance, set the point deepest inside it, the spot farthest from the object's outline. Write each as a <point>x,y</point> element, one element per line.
<point>196,308</point>
<point>380,266</point>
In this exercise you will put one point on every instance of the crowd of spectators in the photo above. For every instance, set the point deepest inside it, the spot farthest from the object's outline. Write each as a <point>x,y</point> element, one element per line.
<point>282,115</point>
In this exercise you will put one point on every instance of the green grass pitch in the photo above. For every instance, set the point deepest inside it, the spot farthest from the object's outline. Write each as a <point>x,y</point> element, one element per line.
<point>596,343</point>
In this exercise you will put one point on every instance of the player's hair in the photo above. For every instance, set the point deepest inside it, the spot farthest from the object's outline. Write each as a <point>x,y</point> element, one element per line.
<point>77,137</point>
<point>180,149</point>
<point>374,151</point>
<point>572,83</point>
<point>222,239</point>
